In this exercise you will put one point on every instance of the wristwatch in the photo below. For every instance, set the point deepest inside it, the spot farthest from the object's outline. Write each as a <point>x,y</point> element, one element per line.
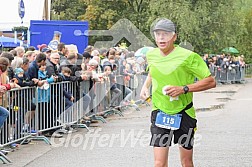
<point>186,89</point>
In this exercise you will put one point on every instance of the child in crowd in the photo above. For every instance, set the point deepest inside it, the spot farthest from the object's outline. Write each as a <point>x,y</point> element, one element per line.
<point>69,98</point>
<point>107,66</point>
<point>22,80</point>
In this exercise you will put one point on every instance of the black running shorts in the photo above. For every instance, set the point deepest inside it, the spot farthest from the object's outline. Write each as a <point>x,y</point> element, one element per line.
<point>183,136</point>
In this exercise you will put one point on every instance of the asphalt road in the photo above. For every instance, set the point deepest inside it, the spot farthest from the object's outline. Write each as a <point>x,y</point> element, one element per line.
<point>223,138</point>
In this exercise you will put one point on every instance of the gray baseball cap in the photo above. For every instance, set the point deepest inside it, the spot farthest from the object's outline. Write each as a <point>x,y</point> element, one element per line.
<point>166,25</point>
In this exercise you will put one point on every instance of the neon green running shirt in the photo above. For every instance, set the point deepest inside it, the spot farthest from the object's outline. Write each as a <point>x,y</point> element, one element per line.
<point>179,68</point>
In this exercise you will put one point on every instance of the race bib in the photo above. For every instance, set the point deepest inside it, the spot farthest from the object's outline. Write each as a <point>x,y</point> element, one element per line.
<point>166,121</point>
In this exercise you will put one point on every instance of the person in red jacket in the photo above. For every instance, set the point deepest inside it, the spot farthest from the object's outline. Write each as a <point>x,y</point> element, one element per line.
<point>4,113</point>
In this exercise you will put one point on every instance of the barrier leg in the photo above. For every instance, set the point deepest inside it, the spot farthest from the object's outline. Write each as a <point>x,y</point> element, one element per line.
<point>4,158</point>
<point>43,138</point>
<point>98,118</point>
<point>114,110</point>
<point>80,125</point>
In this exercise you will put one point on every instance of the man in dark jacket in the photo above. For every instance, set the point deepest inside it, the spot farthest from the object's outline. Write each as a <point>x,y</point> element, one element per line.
<point>62,51</point>
<point>76,76</point>
<point>52,65</point>
<point>34,66</point>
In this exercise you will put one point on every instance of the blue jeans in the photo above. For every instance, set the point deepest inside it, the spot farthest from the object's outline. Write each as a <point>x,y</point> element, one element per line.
<point>86,100</point>
<point>4,113</point>
<point>68,103</point>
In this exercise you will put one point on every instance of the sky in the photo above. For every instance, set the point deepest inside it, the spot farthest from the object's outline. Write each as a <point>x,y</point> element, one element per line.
<point>9,17</point>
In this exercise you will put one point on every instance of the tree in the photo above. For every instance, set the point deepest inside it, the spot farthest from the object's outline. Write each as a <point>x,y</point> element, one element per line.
<point>209,25</point>
<point>68,9</point>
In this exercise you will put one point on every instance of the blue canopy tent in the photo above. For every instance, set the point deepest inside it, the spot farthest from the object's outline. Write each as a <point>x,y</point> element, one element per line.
<point>7,42</point>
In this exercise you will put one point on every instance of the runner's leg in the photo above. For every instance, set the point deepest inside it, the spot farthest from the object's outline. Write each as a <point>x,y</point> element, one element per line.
<point>161,156</point>
<point>186,157</point>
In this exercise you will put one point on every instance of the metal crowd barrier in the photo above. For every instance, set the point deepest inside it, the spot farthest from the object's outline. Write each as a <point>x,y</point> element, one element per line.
<point>61,111</point>
<point>230,74</point>
<point>248,71</point>
<point>21,113</point>
<point>37,110</point>
<point>19,104</point>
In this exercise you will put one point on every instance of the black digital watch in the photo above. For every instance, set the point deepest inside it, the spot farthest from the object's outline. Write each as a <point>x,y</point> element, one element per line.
<point>186,89</point>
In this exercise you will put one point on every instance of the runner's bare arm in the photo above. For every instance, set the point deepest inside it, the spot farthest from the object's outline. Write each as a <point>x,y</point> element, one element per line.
<point>147,82</point>
<point>145,89</point>
<point>204,84</point>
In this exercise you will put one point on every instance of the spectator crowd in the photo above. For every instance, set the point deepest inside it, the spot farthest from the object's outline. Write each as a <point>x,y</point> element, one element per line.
<point>41,68</point>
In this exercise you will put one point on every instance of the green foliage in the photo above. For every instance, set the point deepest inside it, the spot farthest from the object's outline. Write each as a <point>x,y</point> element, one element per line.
<point>209,25</point>
<point>68,9</point>
<point>20,29</point>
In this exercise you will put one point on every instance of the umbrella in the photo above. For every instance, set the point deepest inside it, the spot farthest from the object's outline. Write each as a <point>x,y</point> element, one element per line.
<point>230,50</point>
<point>142,51</point>
<point>8,42</point>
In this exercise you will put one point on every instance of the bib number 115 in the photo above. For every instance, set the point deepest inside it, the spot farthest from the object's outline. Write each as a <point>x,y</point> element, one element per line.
<point>168,120</point>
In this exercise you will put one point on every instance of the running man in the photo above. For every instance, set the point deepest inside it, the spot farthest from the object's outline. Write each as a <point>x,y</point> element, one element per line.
<point>172,71</point>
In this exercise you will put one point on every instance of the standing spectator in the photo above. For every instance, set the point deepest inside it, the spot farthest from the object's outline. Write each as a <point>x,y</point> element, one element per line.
<point>107,66</point>
<point>99,68</point>
<point>95,53</point>
<point>220,60</point>
<point>62,51</point>
<point>79,61</point>
<point>4,113</point>
<point>44,98</point>
<point>30,55</point>
<point>10,57</point>
<point>86,57</point>
<point>126,78</point>
<point>70,62</point>
<point>14,52</point>
<point>20,51</point>
<point>40,47</point>
<point>52,64</point>
<point>89,49</point>
<point>241,61</point>
<point>31,48</point>
<point>140,64</point>
<point>35,65</point>
<point>103,53</point>
<point>214,58</point>
<point>205,58</point>
<point>69,98</point>
<point>47,51</point>
<point>18,59</point>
